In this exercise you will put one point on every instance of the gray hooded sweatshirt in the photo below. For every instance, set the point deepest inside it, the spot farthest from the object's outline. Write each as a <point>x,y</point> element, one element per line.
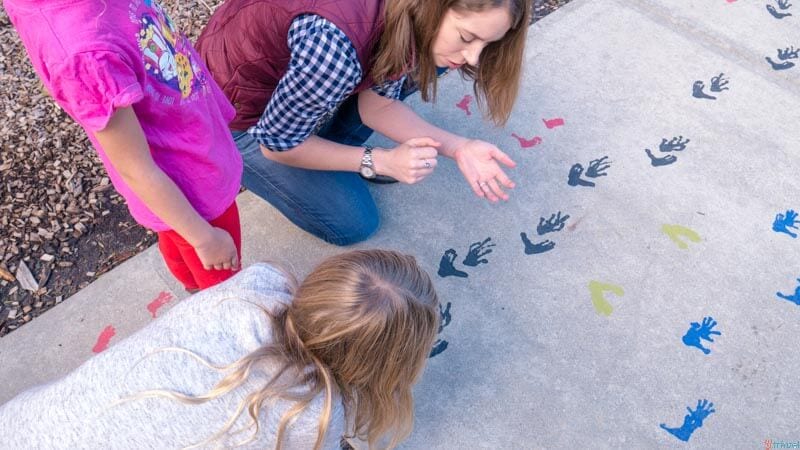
<point>220,324</point>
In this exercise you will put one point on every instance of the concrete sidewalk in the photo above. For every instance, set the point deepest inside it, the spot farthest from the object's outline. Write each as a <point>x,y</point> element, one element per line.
<point>588,332</point>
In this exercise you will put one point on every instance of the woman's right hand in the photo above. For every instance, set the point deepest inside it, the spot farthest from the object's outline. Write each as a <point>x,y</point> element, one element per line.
<point>409,162</point>
<point>218,251</point>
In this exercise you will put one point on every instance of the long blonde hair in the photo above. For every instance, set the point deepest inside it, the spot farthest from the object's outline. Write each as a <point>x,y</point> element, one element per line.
<point>410,27</point>
<point>361,324</point>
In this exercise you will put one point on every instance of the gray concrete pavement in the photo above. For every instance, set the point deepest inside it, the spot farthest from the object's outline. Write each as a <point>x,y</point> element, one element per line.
<point>533,361</point>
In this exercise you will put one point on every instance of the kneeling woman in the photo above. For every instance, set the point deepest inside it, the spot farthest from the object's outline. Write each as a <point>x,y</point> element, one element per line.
<point>310,80</point>
<point>350,341</point>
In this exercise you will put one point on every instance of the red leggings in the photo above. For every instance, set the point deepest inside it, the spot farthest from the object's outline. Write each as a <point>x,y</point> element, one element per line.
<point>183,261</point>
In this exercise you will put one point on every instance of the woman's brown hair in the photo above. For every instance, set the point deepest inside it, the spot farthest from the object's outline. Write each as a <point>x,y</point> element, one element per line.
<point>410,29</point>
<point>360,325</point>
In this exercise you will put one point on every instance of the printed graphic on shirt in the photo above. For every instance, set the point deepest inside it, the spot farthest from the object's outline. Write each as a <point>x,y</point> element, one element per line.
<point>166,52</point>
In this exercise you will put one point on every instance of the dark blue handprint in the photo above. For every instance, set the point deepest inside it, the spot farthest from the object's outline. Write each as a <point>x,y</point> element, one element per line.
<point>534,249</point>
<point>575,177</point>
<point>438,347</point>
<point>598,167</point>
<point>446,267</point>
<point>478,250</point>
<point>551,225</point>
<point>792,298</point>
<point>718,83</point>
<point>696,332</point>
<point>777,14</point>
<point>676,144</point>
<point>691,421</point>
<point>697,91</point>
<point>783,222</point>
<point>780,66</point>
<point>788,53</point>
<point>444,320</point>
<point>656,162</point>
<point>784,55</point>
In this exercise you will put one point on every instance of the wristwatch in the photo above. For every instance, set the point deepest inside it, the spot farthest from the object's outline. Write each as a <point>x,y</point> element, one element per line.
<point>367,169</point>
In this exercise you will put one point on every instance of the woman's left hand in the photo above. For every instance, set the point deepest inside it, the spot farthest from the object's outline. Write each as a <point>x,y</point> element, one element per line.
<point>478,162</point>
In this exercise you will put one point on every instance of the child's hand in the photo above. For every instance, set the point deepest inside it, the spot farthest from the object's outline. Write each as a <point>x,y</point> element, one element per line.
<point>218,251</point>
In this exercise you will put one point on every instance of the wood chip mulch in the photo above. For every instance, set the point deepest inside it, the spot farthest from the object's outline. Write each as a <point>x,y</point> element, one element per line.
<point>61,222</point>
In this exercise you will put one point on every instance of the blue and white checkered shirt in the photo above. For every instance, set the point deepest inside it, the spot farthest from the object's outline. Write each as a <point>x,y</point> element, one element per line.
<point>323,72</point>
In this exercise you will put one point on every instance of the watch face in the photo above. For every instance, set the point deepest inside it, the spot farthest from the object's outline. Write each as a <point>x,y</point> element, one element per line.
<point>367,172</point>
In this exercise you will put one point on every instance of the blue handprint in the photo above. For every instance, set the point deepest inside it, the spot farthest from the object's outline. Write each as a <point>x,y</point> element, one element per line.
<point>444,320</point>
<point>598,167</point>
<point>478,250</point>
<point>533,249</point>
<point>446,267</point>
<point>697,332</point>
<point>783,222</point>
<point>444,317</point>
<point>776,14</point>
<point>691,421</point>
<point>788,53</point>
<point>575,176</point>
<point>697,91</point>
<point>656,162</point>
<point>676,144</point>
<point>718,83</point>
<point>784,55</point>
<point>551,225</point>
<point>792,298</point>
<point>780,66</point>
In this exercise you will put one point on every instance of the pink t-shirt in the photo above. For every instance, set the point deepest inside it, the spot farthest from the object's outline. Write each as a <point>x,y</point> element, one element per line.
<point>96,56</point>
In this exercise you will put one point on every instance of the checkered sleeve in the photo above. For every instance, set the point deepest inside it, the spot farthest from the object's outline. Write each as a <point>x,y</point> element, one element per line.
<point>324,69</point>
<point>390,88</point>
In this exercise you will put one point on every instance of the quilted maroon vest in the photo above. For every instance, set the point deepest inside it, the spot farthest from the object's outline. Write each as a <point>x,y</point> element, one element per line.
<point>245,45</point>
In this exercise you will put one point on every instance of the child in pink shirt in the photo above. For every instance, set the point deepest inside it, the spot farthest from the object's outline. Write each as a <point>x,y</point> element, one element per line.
<point>155,116</point>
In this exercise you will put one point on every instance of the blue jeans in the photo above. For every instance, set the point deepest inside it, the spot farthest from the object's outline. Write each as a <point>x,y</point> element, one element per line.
<point>333,206</point>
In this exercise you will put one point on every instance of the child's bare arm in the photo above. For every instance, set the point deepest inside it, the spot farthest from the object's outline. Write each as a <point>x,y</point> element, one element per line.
<point>126,147</point>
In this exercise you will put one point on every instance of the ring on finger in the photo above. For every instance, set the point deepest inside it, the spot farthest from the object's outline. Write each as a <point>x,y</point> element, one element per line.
<point>483,184</point>
<point>427,164</point>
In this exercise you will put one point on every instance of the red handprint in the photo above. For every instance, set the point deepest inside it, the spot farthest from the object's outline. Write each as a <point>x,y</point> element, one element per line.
<point>163,298</point>
<point>464,104</point>
<point>527,143</point>
<point>552,123</point>
<point>104,338</point>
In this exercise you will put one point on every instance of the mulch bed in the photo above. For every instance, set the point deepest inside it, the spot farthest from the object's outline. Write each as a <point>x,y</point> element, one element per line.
<point>63,225</point>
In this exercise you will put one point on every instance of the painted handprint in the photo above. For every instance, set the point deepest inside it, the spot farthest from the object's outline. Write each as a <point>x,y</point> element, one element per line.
<point>703,331</point>
<point>784,55</point>
<point>555,223</point>
<point>718,84</point>
<point>777,14</point>
<point>575,177</point>
<point>788,53</point>
<point>464,104</point>
<point>478,250</point>
<point>527,143</point>
<point>676,144</point>
<point>783,222</point>
<point>597,290</point>
<point>792,298</point>
<point>657,162</point>
<point>691,421</point>
<point>535,249</point>
<point>598,167</point>
<point>553,123</point>
<point>444,320</point>
<point>697,91</point>
<point>446,267</point>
